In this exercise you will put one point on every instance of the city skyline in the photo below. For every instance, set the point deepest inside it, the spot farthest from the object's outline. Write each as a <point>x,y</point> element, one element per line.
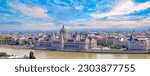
<point>74,14</point>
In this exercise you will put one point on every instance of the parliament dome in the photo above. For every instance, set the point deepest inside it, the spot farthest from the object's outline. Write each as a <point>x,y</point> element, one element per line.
<point>63,30</point>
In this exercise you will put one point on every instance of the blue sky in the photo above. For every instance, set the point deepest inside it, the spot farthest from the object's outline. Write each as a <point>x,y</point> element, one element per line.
<point>74,14</point>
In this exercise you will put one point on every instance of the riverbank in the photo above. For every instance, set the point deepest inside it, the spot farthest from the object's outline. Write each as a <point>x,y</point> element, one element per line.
<point>84,51</point>
<point>121,52</point>
<point>51,54</point>
<point>112,51</point>
<point>17,46</point>
<point>4,55</point>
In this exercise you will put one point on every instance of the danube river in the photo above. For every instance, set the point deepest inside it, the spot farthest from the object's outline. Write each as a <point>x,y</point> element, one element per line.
<point>43,54</point>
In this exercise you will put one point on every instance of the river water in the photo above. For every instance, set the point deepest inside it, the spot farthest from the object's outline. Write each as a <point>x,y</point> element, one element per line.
<point>45,54</point>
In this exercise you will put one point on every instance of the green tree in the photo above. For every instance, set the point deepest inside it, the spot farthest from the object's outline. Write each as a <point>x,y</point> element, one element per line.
<point>31,55</point>
<point>25,42</point>
<point>3,54</point>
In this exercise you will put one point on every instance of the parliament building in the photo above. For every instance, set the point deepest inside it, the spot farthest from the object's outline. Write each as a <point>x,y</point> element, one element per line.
<point>65,41</point>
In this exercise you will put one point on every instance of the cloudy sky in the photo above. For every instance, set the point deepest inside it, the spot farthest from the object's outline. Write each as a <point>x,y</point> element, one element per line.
<point>74,14</point>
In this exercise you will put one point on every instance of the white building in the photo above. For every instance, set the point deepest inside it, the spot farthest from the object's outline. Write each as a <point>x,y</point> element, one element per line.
<point>120,42</point>
<point>135,44</point>
<point>66,43</point>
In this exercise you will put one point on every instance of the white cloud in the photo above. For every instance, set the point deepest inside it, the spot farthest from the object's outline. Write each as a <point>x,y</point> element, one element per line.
<point>33,11</point>
<point>125,18</point>
<point>123,7</point>
<point>95,24</point>
<point>44,26</point>
<point>80,7</point>
<point>86,24</point>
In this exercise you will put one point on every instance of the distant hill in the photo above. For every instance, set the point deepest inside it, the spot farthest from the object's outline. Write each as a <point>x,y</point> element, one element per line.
<point>112,29</point>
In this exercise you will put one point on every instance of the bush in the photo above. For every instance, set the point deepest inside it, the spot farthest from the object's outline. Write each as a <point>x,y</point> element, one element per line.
<point>116,47</point>
<point>104,44</point>
<point>99,46</point>
<point>3,54</point>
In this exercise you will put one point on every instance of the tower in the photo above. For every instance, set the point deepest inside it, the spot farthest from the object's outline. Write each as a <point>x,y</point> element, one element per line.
<point>64,32</point>
<point>63,37</point>
<point>92,43</point>
<point>86,45</point>
<point>76,37</point>
<point>61,41</point>
<point>52,36</point>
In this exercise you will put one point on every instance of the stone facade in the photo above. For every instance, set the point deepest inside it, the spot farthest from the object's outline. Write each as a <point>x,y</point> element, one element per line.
<point>135,44</point>
<point>66,43</point>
